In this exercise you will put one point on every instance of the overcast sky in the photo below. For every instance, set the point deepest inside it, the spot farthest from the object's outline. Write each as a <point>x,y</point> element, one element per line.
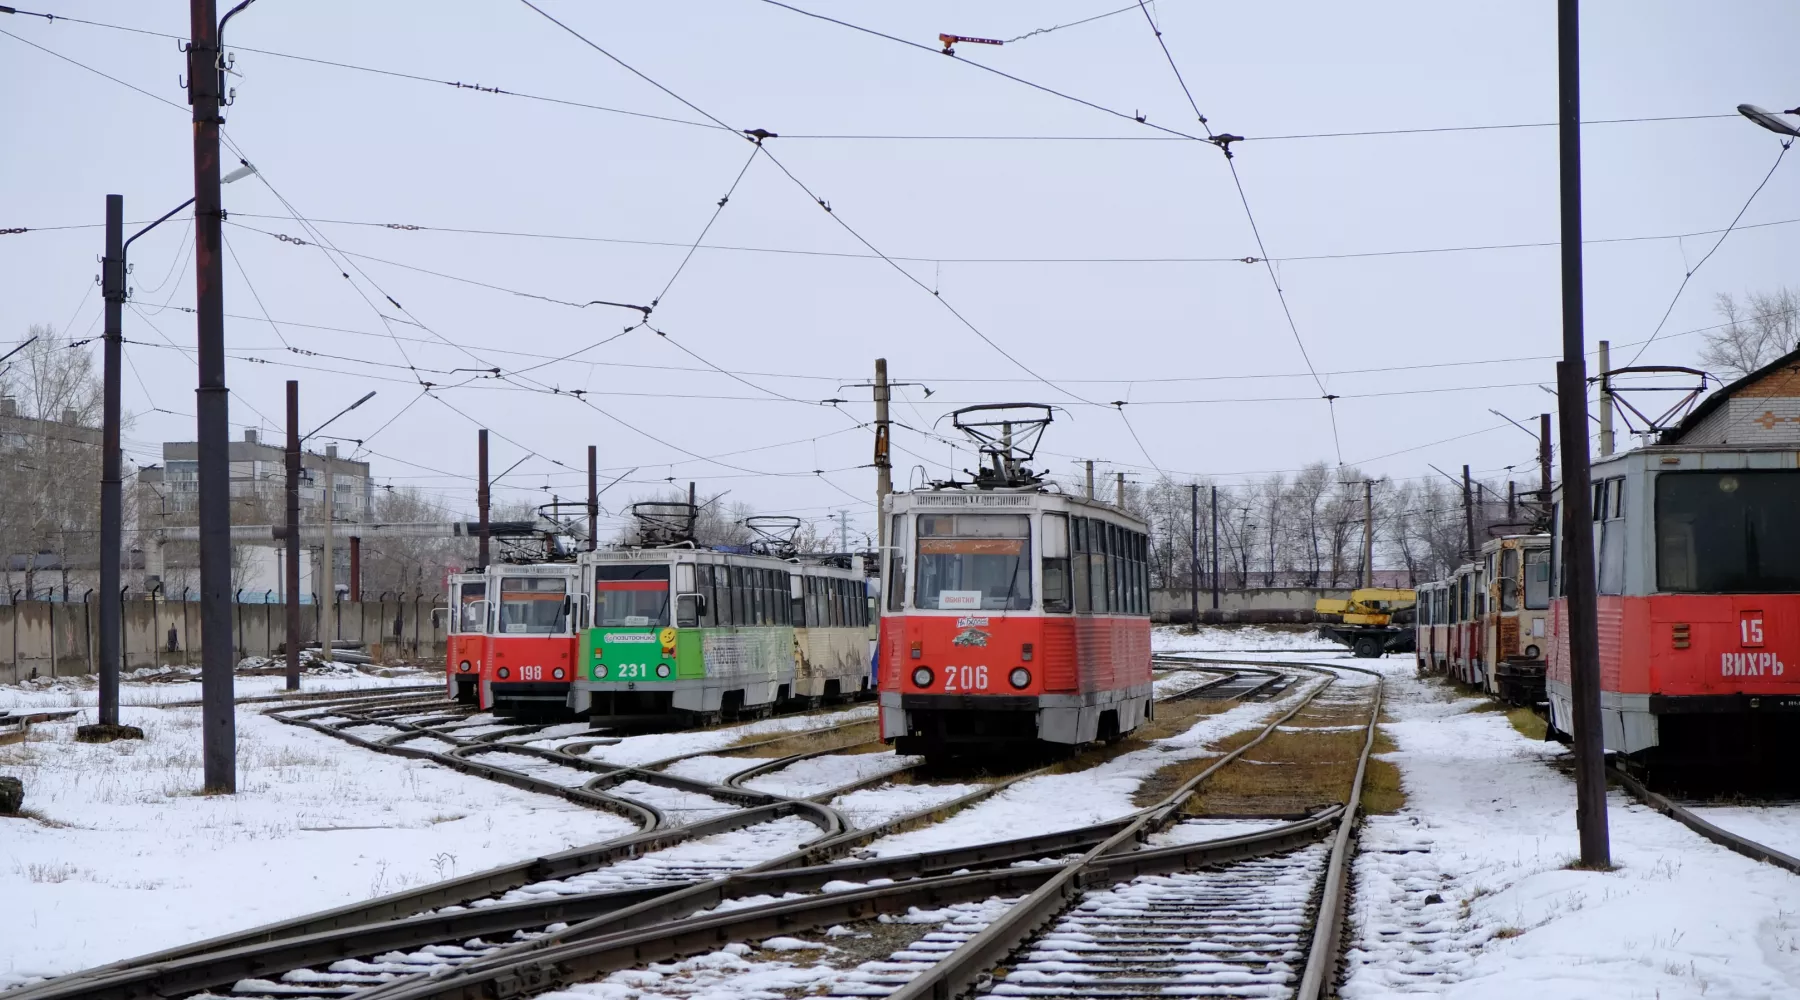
<point>1104,261</point>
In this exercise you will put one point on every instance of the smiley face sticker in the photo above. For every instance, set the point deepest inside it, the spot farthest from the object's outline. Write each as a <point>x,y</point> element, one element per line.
<point>667,636</point>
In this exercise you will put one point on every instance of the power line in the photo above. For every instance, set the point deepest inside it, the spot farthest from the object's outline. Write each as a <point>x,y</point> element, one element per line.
<point>1715,248</point>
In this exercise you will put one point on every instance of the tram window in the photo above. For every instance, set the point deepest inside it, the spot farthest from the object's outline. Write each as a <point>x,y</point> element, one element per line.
<point>1599,511</point>
<point>1509,579</point>
<point>535,605</point>
<point>815,603</point>
<point>1728,532</point>
<point>1078,569</point>
<point>974,562</point>
<point>895,583</point>
<point>632,596</point>
<point>472,607</point>
<point>1537,579</point>
<point>1056,563</point>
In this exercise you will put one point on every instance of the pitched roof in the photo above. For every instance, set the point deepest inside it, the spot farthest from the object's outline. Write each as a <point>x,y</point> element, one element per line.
<point>1789,363</point>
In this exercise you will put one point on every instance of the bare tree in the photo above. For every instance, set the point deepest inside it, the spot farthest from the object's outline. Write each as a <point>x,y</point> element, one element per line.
<point>1758,329</point>
<point>49,452</point>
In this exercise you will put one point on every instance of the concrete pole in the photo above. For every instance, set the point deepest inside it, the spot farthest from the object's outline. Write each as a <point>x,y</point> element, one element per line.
<point>1544,481</point>
<point>1194,557</point>
<point>1368,579</point>
<point>291,571</point>
<point>884,466</point>
<point>1215,548</point>
<point>355,568</point>
<point>593,504</point>
<point>1468,516</point>
<point>328,593</point>
<point>481,492</point>
<point>112,505</point>
<point>1119,491</point>
<point>1578,538</point>
<point>218,726</point>
<point>1606,401</point>
<point>1090,479</point>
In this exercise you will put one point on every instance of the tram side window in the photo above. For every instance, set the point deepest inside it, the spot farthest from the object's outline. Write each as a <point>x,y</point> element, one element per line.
<point>1078,565</point>
<point>1728,532</point>
<point>1509,579</point>
<point>1056,563</point>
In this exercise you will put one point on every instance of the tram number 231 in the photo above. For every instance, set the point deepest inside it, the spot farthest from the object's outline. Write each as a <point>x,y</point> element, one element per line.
<point>965,679</point>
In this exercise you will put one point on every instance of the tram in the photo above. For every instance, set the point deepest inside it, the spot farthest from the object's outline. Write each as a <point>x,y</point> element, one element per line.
<point>1014,615</point>
<point>1697,564</point>
<point>530,649</point>
<point>673,628</point>
<point>465,640</point>
<point>1431,645</point>
<point>1513,633</point>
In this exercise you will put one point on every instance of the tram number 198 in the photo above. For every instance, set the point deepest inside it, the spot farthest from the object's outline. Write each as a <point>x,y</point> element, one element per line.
<point>531,673</point>
<point>965,678</point>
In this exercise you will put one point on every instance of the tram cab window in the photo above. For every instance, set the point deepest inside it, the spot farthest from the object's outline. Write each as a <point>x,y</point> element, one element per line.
<point>974,562</point>
<point>1509,579</point>
<point>704,584</point>
<point>471,604</point>
<point>1537,579</point>
<point>1728,532</point>
<point>631,596</point>
<point>1056,563</point>
<point>534,605</point>
<point>895,583</point>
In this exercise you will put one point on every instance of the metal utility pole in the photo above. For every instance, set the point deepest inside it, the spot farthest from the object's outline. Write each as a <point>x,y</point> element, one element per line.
<point>328,574</point>
<point>1606,401</point>
<point>1571,387</point>
<point>112,504</point>
<point>481,492</point>
<point>1468,516</point>
<point>1194,561</point>
<point>1512,500</point>
<point>1090,479</point>
<point>693,512</point>
<point>843,531</point>
<point>1544,461</point>
<point>1215,547</point>
<point>884,466</point>
<point>355,568</point>
<point>292,570</point>
<point>593,497</point>
<point>206,75</point>
<point>1368,533</point>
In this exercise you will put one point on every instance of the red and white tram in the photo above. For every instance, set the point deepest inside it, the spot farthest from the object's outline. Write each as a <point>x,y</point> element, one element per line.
<point>1697,560</point>
<point>465,640</point>
<point>1013,615</point>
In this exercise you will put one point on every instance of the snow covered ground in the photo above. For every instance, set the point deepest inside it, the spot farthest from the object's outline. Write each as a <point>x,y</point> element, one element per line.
<point>171,684</point>
<point>1466,892</point>
<point>658,746</point>
<point>1237,639</point>
<point>121,856</point>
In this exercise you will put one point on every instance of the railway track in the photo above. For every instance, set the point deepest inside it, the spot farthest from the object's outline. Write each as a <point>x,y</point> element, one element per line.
<point>498,930</point>
<point>1688,817</point>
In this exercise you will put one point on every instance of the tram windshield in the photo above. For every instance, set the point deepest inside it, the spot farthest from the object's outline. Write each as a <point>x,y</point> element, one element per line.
<point>974,562</point>
<point>631,596</point>
<point>471,607</point>
<point>1728,532</point>
<point>534,605</point>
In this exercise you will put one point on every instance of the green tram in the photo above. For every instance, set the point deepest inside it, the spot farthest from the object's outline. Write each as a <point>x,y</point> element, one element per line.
<point>713,633</point>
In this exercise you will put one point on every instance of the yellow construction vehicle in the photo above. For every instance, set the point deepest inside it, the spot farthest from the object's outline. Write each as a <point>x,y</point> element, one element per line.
<point>1366,622</point>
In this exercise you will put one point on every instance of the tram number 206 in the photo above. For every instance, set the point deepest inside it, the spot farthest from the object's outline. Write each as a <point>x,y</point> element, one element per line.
<point>965,678</point>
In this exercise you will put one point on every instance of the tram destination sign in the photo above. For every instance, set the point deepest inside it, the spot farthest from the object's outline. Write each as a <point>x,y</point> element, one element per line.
<point>975,499</point>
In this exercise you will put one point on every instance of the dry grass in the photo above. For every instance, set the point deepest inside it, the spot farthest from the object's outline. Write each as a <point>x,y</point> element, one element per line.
<point>1308,762</point>
<point>1382,795</point>
<point>834,739</point>
<point>1529,724</point>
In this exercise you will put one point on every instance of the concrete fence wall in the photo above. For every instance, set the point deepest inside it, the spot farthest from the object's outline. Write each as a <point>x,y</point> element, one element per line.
<point>52,638</point>
<point>1285,599</point>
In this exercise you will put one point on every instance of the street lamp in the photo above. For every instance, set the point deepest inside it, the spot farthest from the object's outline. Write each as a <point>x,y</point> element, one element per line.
<point>1769,120</point>
<point>113,276</point>
<point>370,395</point>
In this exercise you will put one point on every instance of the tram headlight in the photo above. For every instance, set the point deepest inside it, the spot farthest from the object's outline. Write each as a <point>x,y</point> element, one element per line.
<point>599,671</point>
<point>1532,652</point>
<point>922,677</point>
<point>662,670</point>
<point>503,673</point>
<point>463,666</point>
<point>1019,678</point>
<point>557,673</point>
